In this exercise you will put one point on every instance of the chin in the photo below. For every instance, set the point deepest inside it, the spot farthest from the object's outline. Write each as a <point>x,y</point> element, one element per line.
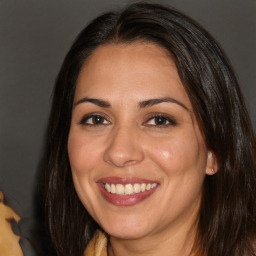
<point>128,234</point>
<point>127,228</point>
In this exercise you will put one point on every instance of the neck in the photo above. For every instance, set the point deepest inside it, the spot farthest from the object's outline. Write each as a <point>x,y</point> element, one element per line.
<point>152,247</point>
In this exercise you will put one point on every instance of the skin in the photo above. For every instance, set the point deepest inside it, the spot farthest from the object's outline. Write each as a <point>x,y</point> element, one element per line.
<point>129,142</point>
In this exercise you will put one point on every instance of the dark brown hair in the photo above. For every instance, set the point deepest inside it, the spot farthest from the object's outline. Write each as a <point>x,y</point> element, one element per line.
<point>226,222</point>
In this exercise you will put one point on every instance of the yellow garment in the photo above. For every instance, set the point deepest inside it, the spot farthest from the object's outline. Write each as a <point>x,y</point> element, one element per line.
<point>9,242</point>
<point>97,246</point>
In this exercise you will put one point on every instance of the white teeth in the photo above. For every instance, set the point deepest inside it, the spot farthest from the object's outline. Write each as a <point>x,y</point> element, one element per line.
<point>136,188</point>
<point>119,189</point>
<point>148,187</point>
<point>128,189</point>
<point>107,187</point>
<point>153,185</point>
<point>143,187</point>
<point>113,189</point>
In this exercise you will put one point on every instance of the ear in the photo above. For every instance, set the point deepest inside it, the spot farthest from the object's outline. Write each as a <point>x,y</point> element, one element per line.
<point>212,164</point>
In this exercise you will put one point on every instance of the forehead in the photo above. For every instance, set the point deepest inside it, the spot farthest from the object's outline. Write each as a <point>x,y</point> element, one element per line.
<point>131,70</point>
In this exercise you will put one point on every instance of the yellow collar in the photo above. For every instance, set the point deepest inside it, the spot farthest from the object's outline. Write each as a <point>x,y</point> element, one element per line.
<point>97,246</point>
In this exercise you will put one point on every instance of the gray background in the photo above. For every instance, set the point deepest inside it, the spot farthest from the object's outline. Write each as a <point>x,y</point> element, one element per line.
<point>34,38</point>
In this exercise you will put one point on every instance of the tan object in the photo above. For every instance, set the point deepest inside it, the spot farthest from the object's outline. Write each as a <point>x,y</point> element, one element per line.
<point>97,246</point>
<point>9,242</point>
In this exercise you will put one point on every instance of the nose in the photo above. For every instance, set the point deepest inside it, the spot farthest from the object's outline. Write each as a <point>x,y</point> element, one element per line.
<point>123,148</point>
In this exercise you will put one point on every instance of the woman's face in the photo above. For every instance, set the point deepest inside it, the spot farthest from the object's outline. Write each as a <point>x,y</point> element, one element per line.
<point>137,156</point>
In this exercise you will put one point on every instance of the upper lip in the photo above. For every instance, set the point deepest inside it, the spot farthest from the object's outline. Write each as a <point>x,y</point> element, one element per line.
<point>124,180</point>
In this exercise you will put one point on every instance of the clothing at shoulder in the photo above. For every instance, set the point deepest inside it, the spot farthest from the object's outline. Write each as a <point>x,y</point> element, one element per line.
<point>97,246</point>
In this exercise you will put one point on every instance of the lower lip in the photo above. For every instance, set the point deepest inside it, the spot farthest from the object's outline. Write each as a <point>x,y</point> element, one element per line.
<point>125,200</point>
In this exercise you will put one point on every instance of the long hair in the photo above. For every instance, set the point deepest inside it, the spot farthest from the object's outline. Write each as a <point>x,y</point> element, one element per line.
<point>226,221</point>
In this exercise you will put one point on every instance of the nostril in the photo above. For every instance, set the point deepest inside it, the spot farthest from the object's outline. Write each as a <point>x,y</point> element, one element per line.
<point>121,164</point>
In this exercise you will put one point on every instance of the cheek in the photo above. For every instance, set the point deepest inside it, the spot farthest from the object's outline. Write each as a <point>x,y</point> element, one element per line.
<point>177,154</point>
<point>83,158</point>
<point>83,153</point>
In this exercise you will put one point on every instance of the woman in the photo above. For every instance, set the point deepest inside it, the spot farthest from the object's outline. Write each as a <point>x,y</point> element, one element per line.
<point>150,147</point>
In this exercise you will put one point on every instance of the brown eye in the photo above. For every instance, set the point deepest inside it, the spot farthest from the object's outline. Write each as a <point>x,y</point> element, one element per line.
<point>94,120</point>
<point>160,121</point>
<point>97,120</point>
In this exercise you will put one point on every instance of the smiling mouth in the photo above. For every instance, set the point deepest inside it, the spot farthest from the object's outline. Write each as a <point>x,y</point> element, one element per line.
<point>128,189</point>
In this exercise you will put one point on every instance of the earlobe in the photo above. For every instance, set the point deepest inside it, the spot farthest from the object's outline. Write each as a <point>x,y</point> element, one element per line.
<point>212,165</point>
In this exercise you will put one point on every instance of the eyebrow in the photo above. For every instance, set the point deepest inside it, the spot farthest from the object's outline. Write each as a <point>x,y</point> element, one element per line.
<point>152,102</point>
<point>98,102</point>
<point>141,105</point>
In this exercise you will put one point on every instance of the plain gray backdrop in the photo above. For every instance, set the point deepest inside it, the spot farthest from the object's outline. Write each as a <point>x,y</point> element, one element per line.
<point>34,38</point>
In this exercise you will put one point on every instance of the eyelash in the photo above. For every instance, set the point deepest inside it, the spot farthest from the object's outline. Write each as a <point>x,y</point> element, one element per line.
<point>165,118</point>
<point>170,121</point>
<point>94,115</point>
